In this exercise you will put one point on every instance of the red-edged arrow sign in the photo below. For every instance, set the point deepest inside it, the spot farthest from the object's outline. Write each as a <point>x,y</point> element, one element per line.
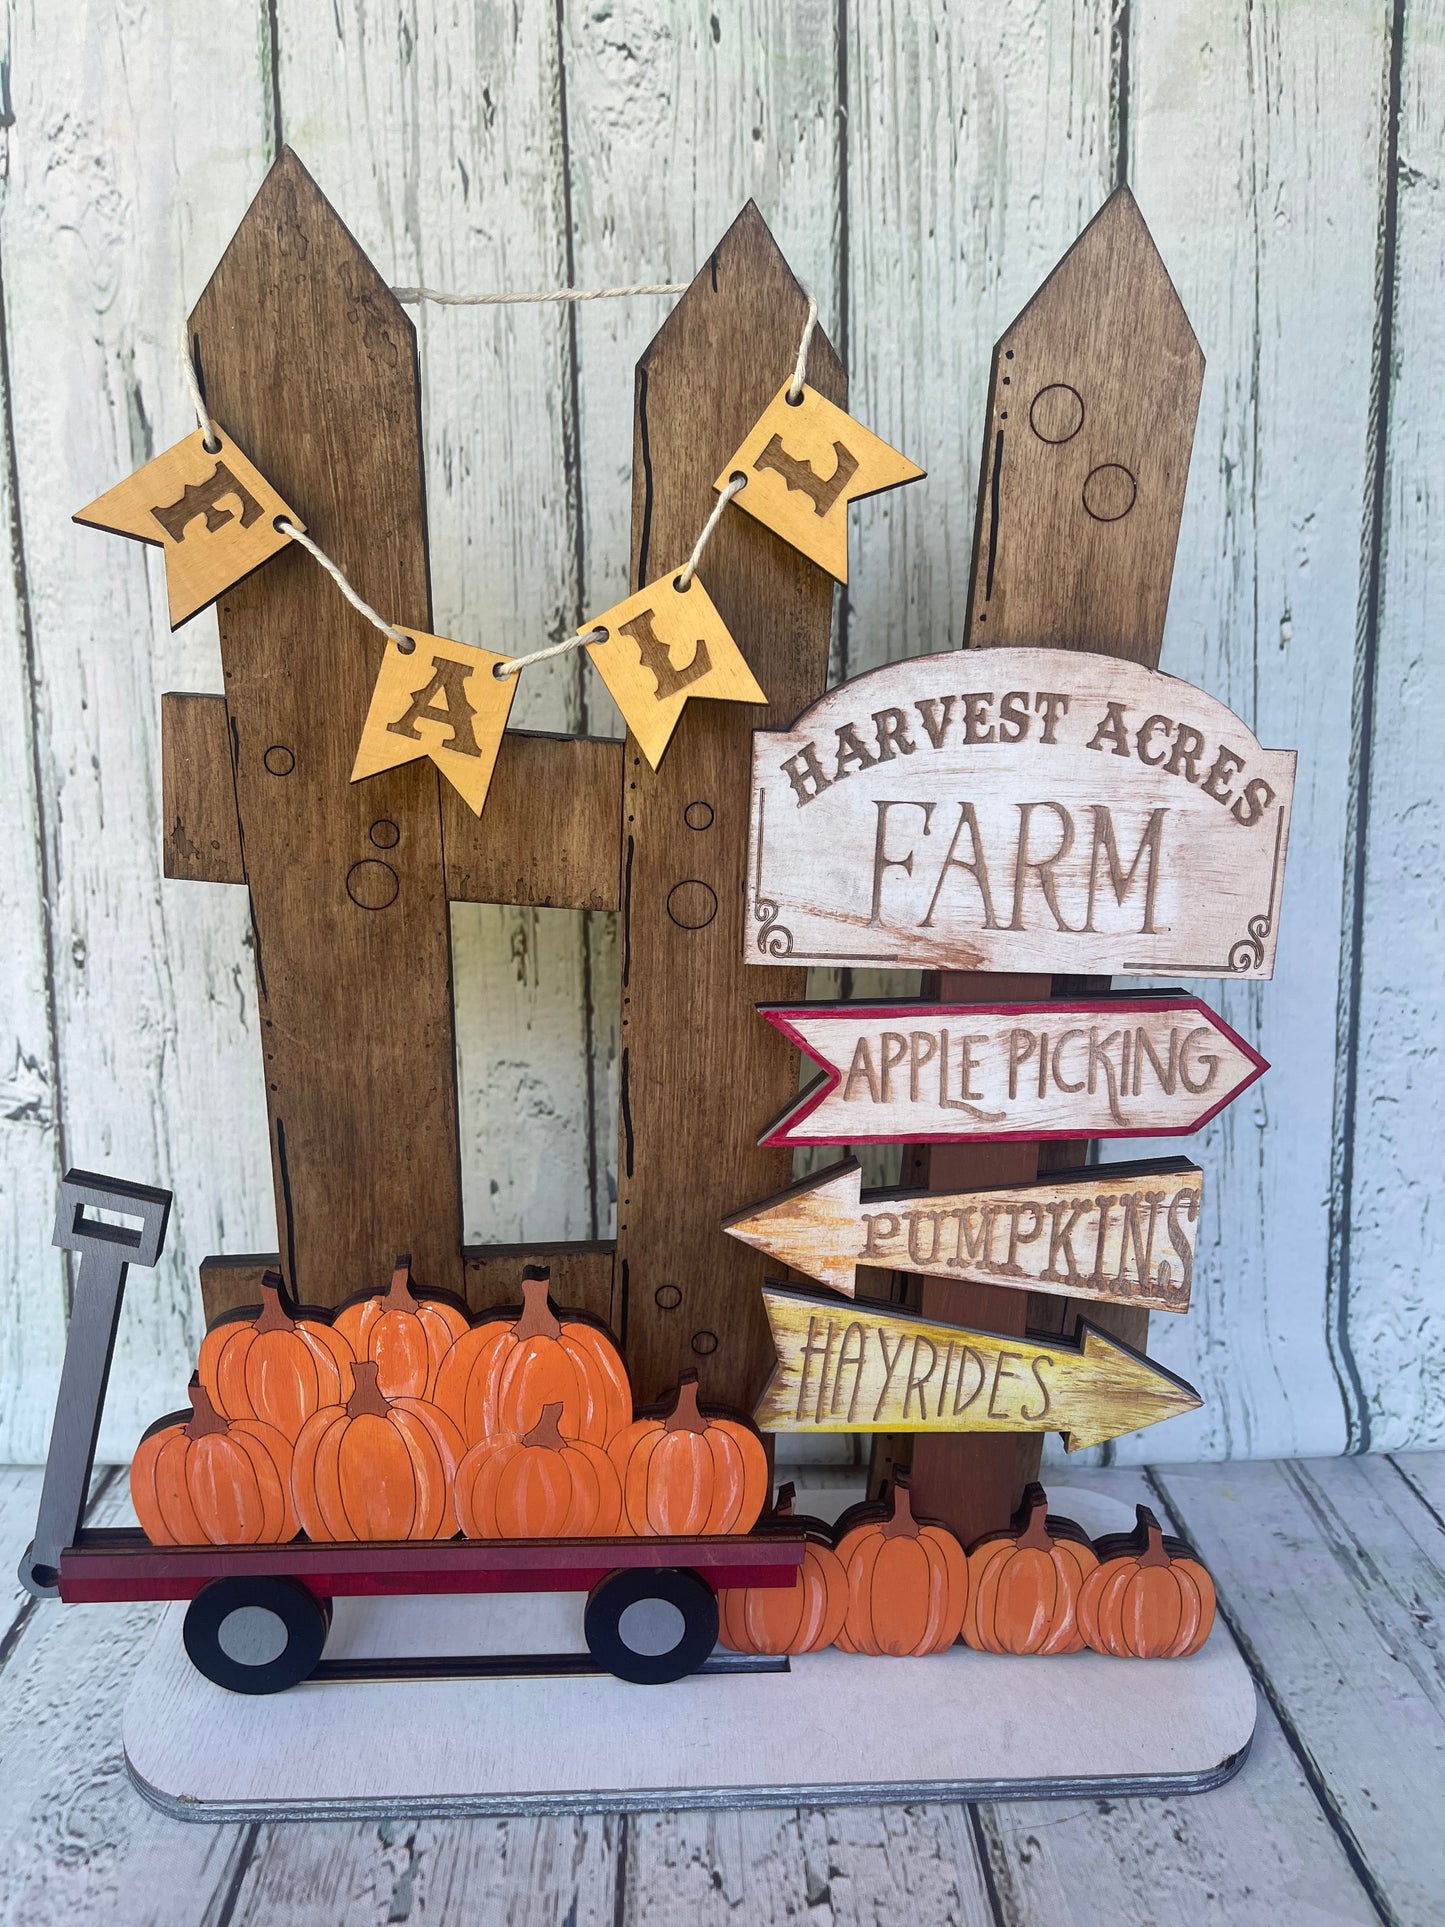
<point>1127,1065</point>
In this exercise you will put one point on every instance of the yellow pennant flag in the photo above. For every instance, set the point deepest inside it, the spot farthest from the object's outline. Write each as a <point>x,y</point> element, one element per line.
<point>208,509</point>
<point>804,463</point>
<point>441,701</point>
<point>663,645</point>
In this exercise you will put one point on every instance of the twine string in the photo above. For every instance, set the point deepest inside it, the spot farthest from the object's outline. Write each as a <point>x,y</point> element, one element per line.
<point>800,366</point>
<point>211,439</point>
<point>442,299</point>
<point>358,602</point>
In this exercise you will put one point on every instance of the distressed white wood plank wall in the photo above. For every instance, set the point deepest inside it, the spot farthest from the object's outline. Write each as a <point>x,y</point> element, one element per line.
<point>922,169</point>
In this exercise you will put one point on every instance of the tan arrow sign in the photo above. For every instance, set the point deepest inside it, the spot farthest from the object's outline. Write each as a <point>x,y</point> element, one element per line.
<point>851,1369</point>
<point>1123,1234</point>
<point>1129,1064</point>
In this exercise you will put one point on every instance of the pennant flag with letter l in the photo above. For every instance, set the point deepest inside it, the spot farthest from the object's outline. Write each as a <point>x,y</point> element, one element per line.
<point>441,701</point>
<point>805,461</point>
<point>1121,1064</point>
<point>867,1368</point>
<point>1121,1234</point>
<point>210,512</point>
<point>664,645</point>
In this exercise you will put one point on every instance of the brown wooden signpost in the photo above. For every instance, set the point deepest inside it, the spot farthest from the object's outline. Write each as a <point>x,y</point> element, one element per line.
<point>1119,1233</point>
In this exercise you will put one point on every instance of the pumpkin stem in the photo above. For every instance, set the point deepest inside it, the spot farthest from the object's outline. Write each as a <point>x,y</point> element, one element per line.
<point>1154,1554</point>
<point>366,1394</point>
<point>537,1319</point>
<point>783,1504</point>
<point>1035,1534</point>
<point>545,1431</point>
<point>274,1316</point>
<point>205,1419</point>
<point>901,1523</point>
<point>400,1296</point>
<point>685,1416</point>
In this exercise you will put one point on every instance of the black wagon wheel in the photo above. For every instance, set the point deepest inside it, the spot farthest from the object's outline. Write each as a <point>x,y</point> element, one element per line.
<point>651,1627</point>
<point>256,1635</point>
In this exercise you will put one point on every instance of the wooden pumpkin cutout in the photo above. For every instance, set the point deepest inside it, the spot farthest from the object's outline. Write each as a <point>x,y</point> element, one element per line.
<point>499,1377</point>
<point>690,1473</point>
<point>1149,1597</point>
<point>540,1486</point>
<point>199,1479</point>
<point>270,1366</point>
<point>1024,1585</point>
<point>802,1618</point>
<point>907,1582</point>
<point>377,1468</point>
<point>407,1337</point>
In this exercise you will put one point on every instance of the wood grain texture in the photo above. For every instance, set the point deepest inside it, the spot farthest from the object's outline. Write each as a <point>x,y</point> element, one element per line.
<point>1226,113</point>
<point>345,880</point>
<point>1389,1343</point>
<point>549,834</point>
<point>1094,394</point>
<point>155,1036</point>
<point>198,792</point>
<point>686,1298</point>
<point>1020,1235</point>
<point>1079,814</point>
<point>474,198</point>
<point>1355,1533</point>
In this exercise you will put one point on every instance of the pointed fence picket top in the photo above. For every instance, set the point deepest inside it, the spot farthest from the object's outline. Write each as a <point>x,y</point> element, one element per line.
<point>310,364</point>
<point>701,1073</point>
<point>1092,406</point>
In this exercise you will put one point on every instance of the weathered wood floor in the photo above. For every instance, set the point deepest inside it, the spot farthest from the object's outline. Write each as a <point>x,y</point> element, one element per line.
<point>1332,1573</point>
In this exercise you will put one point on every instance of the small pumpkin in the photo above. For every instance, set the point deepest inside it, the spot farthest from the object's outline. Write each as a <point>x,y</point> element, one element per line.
<point>376,1468</point>
<point>801,1618</point>
<point>907,1582</point>
<point>1024,1585</point>
<point>540,1486</point>
<point>200,1479</point>
<point>499,1377</point>
<point>407,1336</point>
<point>690,1473</point>
<point>270,1366</point>
<point>1149,1598</point>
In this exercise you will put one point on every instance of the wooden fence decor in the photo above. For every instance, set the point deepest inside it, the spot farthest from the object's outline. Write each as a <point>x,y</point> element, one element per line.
<point>1016,822</point>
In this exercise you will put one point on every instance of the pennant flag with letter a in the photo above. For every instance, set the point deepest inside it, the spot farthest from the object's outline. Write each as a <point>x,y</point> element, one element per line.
<point>441,701</point>
<point>663,645</point>
<point>211,513</point>
<point>804,463</point>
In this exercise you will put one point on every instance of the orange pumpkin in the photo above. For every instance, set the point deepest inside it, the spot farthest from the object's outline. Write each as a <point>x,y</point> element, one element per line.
<point>499,1377</point>
<point>907,1582</point>
<point>1024,1585</point>
<point>801,1618</point>
<point>1149,1598</point>
<point>406,1336</point>
<point>376,1468</point>
<point>690,1473</point>
<point>540,1486</point>
<point>270,1366</point>
<point>200,1479</point>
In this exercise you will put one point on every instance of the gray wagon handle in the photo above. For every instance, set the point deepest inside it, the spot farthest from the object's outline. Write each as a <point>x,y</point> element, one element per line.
<point>106,1253</point>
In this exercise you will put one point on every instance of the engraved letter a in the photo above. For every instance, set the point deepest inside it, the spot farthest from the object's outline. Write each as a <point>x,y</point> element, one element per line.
<point>449,681</point>
<point>657,658</point>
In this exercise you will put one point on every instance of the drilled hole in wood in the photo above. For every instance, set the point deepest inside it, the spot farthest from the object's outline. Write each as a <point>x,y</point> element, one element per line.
<point>279,760</point>
<point>704,1342</point>
<point>384,833</point>
<point>698,816</point>
<point>667,1297</point>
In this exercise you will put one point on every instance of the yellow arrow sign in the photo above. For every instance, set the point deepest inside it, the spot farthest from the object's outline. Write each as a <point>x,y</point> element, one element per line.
<point>854,1369</point>
<point>1123,1234</point>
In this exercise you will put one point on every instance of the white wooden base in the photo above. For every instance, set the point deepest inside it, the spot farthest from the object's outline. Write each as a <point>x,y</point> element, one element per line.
<point>835,1728</point>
